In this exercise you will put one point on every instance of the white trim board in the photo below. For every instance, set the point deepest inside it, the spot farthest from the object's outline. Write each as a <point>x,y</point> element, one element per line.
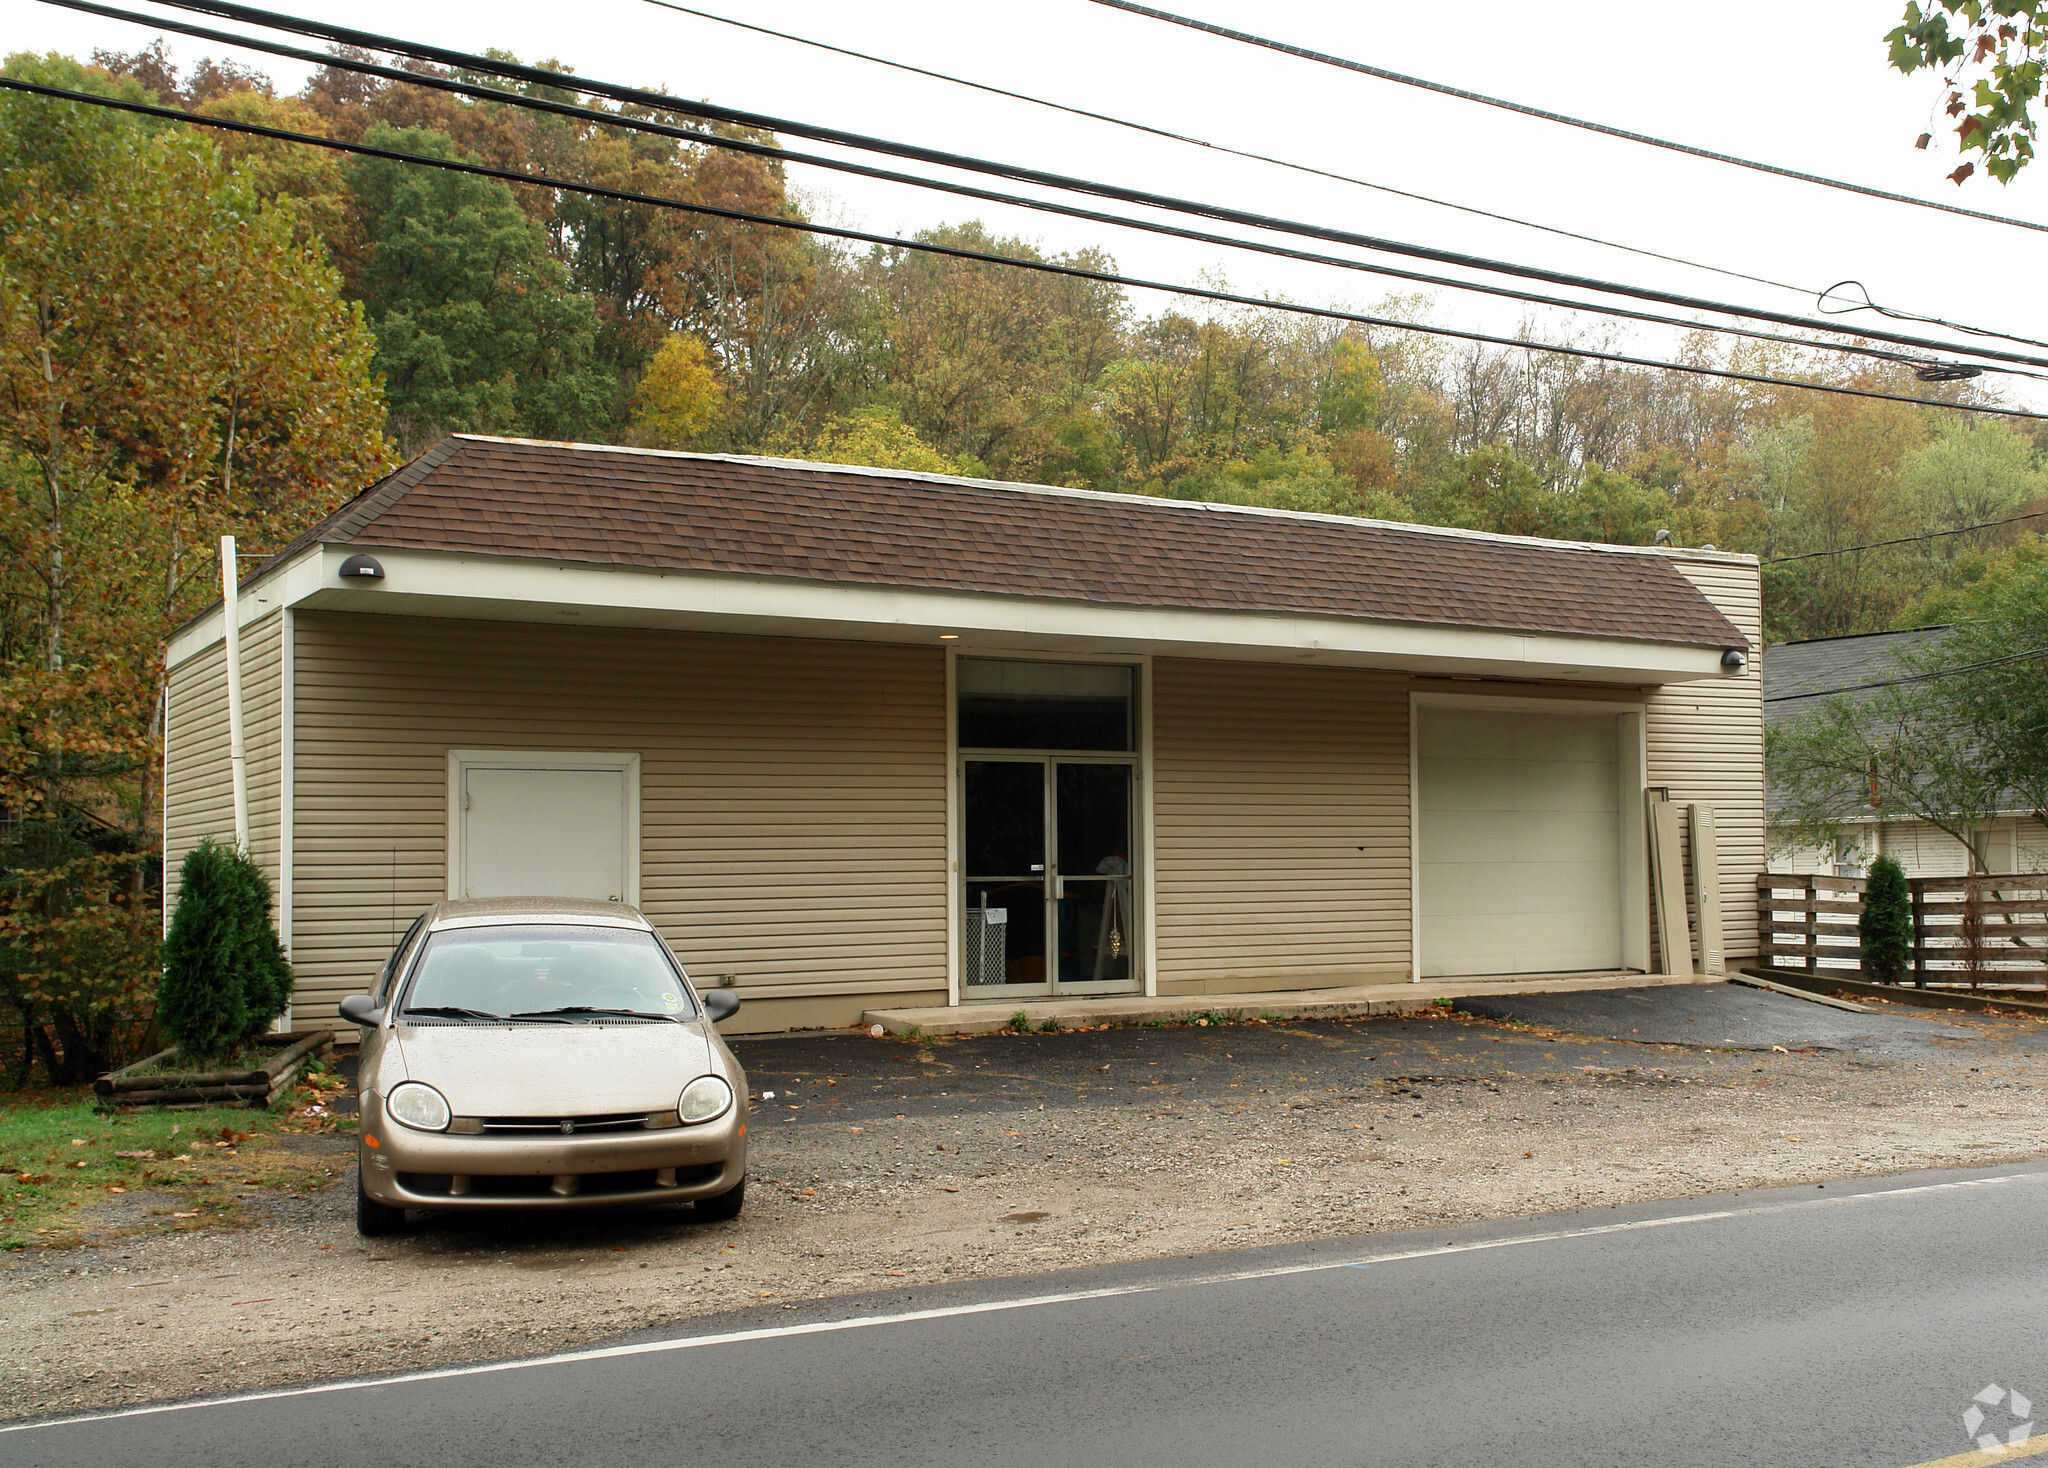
<point>496,588</point>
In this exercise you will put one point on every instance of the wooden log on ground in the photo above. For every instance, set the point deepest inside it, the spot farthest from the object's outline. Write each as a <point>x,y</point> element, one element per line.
<point>192,1095</point>
<point>288,1060</point>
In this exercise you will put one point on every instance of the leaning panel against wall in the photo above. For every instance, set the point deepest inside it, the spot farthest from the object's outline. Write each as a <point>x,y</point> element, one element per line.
<point>1281,810</point>
<point>1705,740</point>
<point>792,811</point>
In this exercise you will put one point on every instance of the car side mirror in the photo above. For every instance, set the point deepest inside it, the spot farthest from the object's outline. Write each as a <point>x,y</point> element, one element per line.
<point>721,1004</point>
<point>361,1009</point>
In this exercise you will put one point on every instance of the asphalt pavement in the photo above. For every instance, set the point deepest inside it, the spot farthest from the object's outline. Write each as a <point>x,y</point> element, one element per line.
<point>1726,1016</point>
<point>1672,1029</point>
<point>1846,1325</point>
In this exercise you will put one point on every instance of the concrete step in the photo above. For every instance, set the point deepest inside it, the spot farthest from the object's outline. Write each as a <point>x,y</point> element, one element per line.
<point>984,1017</point>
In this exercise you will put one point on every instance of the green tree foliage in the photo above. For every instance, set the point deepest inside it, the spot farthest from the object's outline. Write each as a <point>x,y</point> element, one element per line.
<point>1990,54</point>
<point>2003,699</point>
<point>477,327</point>
<point>1884,929</point>
<point>225,978</point>
<point>174,364</point>
<point>1968,741</point>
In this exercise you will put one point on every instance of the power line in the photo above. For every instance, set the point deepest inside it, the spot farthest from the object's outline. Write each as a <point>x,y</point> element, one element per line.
<point>552,107</point>
<point>1384,75</point>
<point>1160,132</point>
<point>1043,267</point>
<point>535,76</point>
<point>1906,539</point>
<point>2017,657</point>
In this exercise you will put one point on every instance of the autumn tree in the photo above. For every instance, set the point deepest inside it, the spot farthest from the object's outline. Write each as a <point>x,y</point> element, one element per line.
<point>172,365</point>
<point>1990,55</point>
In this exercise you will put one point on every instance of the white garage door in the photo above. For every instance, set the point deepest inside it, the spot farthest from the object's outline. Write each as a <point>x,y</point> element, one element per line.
<point>1520,838</point>
<point>545,833</point>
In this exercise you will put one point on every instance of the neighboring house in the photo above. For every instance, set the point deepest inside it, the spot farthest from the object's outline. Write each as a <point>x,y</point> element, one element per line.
<point>1797,678</point>
<point>861,738</point>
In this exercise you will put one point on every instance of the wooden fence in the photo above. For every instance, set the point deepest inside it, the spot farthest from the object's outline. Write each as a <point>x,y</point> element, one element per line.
<point>1966,930</point>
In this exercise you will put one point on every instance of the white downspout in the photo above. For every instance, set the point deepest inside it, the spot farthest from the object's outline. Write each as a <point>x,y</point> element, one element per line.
<point>231,613</point>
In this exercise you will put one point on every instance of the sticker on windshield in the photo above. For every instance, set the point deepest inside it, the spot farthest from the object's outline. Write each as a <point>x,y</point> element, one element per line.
<point>673,1001</point>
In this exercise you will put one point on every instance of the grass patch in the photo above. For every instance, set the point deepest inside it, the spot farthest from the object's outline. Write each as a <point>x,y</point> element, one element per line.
<point>61,1159</point>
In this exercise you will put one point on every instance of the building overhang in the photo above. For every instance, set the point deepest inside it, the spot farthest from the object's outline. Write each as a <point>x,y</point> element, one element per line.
<point>422,583</point>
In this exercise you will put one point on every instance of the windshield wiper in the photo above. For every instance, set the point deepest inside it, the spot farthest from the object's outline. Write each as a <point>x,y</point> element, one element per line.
<point>567,1009</point>
<point>454,1011</point>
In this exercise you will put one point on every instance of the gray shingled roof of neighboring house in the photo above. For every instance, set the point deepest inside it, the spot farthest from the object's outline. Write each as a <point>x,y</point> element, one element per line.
<point>1798,676</point>
<point>833,524</point>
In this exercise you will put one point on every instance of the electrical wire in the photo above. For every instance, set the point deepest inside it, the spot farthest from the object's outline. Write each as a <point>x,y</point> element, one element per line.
<point>1866,304</point>
<point>1907,539</point>
<point>1042,267</point>
<point>2017,657</point>
<point>553,80</point>
<point>552,107</point>
<point>1304,168</point>
<point>1323,58</point>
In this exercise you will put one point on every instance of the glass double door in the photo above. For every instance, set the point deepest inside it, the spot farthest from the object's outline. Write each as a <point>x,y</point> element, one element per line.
<point>1048,876</point>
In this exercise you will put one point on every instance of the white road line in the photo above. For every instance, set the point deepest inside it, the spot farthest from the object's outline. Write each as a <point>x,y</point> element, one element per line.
<point>824,1327</point>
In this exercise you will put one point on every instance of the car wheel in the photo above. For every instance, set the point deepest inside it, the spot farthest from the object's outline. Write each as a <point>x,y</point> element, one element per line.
<point>725,1205</point>
<point>374,1219</point>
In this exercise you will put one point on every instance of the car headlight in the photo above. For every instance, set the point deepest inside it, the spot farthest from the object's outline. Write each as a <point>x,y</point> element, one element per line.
<point>704,1098</point>
<point>418,1106</point>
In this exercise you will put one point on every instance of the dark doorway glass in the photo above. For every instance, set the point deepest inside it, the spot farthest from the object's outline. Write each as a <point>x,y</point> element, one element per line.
<point>1005,881</point>
<point>1092,816</point>
<point>1025,705</point>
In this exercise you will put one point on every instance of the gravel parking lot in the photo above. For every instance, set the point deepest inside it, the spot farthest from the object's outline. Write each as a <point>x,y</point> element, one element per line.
<point>882,1166</point>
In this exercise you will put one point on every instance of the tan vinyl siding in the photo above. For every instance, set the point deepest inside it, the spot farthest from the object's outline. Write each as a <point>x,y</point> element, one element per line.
<point>1704,739</point>
<point>1280,797</point>
<point>793,794</point>
<point>199,786</point>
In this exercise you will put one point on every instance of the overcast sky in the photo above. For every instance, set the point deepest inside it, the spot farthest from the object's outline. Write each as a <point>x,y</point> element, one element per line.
<point>1801,85</point>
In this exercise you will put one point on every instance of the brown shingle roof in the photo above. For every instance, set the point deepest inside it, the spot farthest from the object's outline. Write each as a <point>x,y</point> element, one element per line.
<point>831,524</point>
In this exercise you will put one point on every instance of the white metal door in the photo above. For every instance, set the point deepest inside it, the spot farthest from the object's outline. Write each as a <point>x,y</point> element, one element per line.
<point>545,833</point>
<point>1520,842</point>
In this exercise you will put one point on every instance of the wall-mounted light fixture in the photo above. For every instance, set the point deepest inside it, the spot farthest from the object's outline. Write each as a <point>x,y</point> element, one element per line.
<point>949,637</point>
<point>1734,660</point>
<point>361,568</point>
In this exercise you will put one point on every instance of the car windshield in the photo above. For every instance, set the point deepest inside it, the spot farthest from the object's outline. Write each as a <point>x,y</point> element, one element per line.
<point>545,971</point>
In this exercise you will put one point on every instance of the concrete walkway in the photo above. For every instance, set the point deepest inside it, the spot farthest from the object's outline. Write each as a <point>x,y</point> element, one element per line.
<point>987,1017</point>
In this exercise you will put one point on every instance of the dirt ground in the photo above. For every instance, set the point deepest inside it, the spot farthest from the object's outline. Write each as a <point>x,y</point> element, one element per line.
<point>886,1166</point>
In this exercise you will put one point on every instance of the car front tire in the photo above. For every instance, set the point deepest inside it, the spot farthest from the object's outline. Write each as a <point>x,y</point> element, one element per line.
<point>374,1219</point>
<point>725,1205</point>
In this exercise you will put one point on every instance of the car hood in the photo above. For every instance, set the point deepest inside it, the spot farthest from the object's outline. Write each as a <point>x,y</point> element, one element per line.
<point>553,1070</point>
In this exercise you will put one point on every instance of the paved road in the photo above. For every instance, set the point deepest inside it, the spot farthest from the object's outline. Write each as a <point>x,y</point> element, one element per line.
<point>1844,1326</point>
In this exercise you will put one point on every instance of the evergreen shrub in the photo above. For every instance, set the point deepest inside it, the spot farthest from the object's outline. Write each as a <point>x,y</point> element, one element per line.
<point>225,978</point>
<point>1884,929</point>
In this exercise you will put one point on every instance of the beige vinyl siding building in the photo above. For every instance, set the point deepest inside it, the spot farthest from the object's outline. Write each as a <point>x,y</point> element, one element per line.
<point>846,759</point>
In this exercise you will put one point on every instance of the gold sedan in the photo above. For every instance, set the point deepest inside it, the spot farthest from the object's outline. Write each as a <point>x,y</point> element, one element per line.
<point>543,1053</point>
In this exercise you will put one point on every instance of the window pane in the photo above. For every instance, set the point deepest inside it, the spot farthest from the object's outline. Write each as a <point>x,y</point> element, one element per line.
<point>1005,810</point>
<point>1017,705</point>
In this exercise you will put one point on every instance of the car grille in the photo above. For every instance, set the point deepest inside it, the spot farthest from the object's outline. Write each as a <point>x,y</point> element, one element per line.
<point>624,1121</point>
<point>589,1184</point>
